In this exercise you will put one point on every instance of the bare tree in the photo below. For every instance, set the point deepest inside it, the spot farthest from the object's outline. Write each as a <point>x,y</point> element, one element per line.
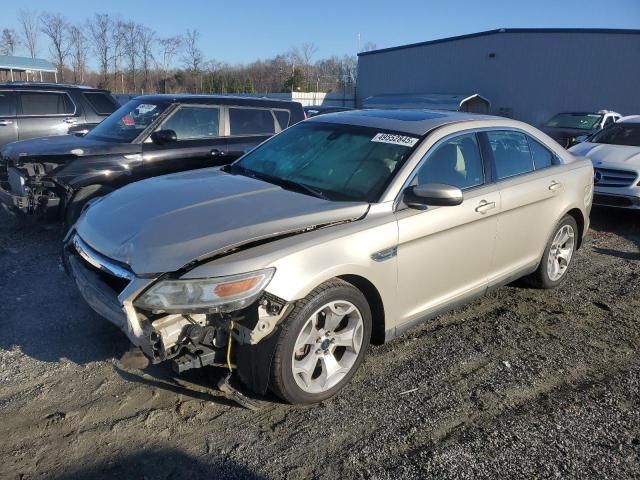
<point>30,23</point>
<point>169,48</point>
<point>193,57</point>
<point>54,26</point>
<point>130,43</point>
<point>8,41</point>
<point>99,29</point>
<point>147,42</point>
<point>116,40</point>
<point>78,41</point>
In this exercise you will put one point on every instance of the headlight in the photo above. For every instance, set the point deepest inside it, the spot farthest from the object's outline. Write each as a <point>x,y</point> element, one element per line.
<point>213,295</point>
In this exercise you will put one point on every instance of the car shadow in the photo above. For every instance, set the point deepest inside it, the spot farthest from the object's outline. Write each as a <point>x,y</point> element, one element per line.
<point>162,464</point>
<point>625,223</point>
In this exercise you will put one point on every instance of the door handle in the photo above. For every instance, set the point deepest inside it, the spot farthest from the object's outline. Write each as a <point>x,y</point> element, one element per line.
<point>485,206</point>
<point>4,123</point>
<point>555,186</point>
<point>216,153</point>
<point>70,121</point>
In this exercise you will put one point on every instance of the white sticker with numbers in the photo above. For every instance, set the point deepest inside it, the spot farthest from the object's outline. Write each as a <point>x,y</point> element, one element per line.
<point>395,139</point>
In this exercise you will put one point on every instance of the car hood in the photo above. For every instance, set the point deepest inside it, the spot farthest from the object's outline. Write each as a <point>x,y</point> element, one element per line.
<point>164,223</point>
<point>61,148</point>
<point>601,153</point>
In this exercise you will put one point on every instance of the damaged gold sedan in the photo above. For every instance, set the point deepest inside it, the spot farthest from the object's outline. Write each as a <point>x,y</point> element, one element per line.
<point>343,230</point>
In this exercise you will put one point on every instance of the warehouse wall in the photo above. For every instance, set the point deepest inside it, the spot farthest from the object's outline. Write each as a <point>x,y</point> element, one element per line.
<point>531,77</point>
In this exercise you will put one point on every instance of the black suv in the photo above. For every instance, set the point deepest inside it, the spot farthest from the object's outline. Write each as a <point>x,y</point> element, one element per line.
<point>30,110</point>
<point>55,177</point>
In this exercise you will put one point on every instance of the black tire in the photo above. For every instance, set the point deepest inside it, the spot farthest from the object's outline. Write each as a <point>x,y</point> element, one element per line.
<point>75,206</point>
<point>282,381</point>
<point>541,277</point>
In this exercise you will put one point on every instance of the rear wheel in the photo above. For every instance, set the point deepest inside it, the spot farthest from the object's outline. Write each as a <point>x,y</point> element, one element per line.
<point>322,344</point>
<point>556,260</point>
<point>80,200</point>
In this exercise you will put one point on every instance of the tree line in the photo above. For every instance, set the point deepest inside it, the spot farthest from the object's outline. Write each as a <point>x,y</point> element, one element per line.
<point>128,57</point>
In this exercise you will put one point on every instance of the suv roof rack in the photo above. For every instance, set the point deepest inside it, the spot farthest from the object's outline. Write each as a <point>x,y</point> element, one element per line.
<point>48,84</point>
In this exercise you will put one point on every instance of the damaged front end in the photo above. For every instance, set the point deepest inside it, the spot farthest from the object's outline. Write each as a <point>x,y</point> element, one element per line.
<point>149,311</point>
<point>28,188</point>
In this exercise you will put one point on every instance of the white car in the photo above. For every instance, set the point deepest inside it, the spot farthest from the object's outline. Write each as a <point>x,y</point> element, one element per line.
<point>615,154</point>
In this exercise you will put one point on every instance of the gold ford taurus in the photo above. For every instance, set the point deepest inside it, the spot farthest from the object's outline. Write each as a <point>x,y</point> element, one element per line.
<point>342,230</point>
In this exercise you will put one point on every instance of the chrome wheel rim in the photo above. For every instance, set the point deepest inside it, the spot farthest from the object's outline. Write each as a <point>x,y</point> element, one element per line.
<point>327,346</point>
<point>560,253</point>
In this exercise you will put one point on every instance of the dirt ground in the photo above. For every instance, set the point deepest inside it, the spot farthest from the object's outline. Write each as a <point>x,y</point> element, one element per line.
<point>523,383</point>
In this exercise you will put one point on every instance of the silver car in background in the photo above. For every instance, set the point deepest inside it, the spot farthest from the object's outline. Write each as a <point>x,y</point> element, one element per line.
<point>343,230</point>
<point>615,153</point>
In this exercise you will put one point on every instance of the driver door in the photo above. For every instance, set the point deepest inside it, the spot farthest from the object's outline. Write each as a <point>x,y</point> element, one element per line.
<point>198,143</point>
<point>445,253</point>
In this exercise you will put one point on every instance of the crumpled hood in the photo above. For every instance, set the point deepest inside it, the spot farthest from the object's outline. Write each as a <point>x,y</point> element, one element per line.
<point>608,154</point>
<point>63,147</point>
<point>164,223</point>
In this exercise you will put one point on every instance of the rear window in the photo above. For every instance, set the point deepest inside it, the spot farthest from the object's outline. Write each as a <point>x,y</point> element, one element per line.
<point>102,103</point>
<point>251,121</point>
<point>46,103</point>
<point>7,104</point>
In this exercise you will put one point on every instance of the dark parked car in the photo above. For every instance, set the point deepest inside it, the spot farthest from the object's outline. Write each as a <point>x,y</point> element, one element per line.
<point>54,177</point>
<point>567,128</point>
<point>313,110</point>
<point>30,110</point>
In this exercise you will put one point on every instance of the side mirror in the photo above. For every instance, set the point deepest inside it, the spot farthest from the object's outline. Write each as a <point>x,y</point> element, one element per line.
<point>162,137</point>
<point>432,194</point>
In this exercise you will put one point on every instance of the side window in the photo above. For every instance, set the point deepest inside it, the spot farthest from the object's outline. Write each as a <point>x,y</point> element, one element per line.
<point>7,104</point>
<point>283,118</point>
<point>46,103</point>
<point>194,122</point>
<point>251,121</point>
<point>456,162</point>
<point>511,153</point>
<point>542,157</point>
<point>102,103</point>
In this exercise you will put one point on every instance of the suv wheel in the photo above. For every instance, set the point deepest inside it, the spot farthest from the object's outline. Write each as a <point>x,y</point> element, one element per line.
<point>80,199</point>
<point>321,344</point>
<point>556,259</point>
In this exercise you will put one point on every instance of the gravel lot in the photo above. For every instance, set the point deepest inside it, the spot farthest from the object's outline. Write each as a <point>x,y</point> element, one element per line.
<point>523,383</point>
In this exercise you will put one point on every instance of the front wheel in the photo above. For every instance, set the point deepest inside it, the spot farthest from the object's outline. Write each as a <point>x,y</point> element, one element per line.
<point>556,260</point>
<point>322,343</point>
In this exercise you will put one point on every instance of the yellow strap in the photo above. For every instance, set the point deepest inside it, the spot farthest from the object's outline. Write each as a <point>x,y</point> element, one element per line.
<point>229,346</point>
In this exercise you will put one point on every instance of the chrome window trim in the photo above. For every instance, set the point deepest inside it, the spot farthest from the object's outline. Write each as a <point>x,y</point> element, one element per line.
<point>99,261</point>
<point>55,115</point>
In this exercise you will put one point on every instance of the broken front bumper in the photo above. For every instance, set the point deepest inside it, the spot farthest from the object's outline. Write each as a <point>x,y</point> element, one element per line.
<point>16,198</point>
<point>12,201</point>
<point>190,340</point>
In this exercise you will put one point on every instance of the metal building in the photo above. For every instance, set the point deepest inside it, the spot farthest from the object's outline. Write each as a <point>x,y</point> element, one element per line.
<point>26,69</point>
<point>526,74</point>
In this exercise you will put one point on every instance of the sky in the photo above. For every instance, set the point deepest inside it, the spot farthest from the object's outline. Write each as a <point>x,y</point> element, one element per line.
<point>246,30</point>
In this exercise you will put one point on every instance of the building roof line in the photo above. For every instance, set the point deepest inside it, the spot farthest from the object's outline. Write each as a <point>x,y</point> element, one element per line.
<point>503,30</point>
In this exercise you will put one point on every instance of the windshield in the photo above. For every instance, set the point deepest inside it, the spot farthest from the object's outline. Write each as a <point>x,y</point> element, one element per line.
<point>126,123</point>
<point>579,121</point>
<point>619,134</point>
<point>336,162</point>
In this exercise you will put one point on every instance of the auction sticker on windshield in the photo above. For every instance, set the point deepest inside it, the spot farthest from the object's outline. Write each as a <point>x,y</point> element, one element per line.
<point>395,139</point>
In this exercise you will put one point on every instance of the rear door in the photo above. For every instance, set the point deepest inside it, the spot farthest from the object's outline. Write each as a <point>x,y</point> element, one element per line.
<point>45,113</point>
<point>198,145</point>
<point>530,181</point>
<point>247,127</point>
<point>8,123</point>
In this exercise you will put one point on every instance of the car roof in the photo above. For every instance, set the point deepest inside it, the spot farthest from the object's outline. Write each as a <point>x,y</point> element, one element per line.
<point>630,119</point>
<point>49,86</point>
<point>414,122</point>
<point>221,100</point>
